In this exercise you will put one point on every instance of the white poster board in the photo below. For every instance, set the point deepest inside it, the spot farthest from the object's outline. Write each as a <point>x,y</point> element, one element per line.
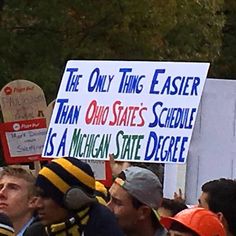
<point>139,111</point>
<point>26,143</point>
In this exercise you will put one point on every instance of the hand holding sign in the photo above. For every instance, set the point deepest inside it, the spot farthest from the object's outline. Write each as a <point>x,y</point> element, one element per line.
<point>117,166</point>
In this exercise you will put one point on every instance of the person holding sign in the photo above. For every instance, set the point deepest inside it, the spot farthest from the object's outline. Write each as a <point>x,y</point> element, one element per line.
<point>67,204</point>
<point>136,194</point>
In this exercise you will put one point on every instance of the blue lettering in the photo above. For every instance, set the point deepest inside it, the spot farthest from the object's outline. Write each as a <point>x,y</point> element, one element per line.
<point>95,73</point>
<point>130,83</point>
<point>179,85</point>
<point>176,117</point>
<point>182,149</point>
<point>155,81</point>
<point>166,86</point>
<point>73,80</point>
<point>49,143</point>
<point>165,148</point>
<point>62,145</point>
<point>101,83</point>
<point>67,114</point>
<point>175,87</point>
<point>196,82</point>
<point>152,136</point>
<point>155,122</point>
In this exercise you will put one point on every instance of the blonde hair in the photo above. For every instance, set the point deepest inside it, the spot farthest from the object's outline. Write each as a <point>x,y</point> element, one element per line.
<point>22,173</point>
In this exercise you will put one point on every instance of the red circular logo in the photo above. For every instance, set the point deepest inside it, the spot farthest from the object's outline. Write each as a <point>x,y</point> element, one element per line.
<point>8,90</point>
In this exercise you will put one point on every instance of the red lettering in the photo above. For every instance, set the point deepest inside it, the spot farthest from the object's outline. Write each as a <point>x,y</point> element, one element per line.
<point>142,122</point>
<point>127,116</point>
<point>95,114</point>
<point>114,113</point>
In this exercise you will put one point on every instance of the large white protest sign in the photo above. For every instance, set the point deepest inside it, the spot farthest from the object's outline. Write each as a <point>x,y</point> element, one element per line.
<point>139,111</point>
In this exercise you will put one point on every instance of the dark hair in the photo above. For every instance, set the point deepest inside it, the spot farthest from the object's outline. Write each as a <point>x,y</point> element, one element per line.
<point>182,228</point>
<point>155,222</point>
<point>172,205</point>
<point>221,197</point>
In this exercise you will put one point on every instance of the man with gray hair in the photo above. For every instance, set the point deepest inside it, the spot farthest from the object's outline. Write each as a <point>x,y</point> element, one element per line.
<point>136,195</point>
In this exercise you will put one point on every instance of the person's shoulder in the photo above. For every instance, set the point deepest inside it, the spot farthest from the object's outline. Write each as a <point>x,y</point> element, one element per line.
<point>100,209</point>
<point>36,229</point>
<point>102,214</point>
<point>102,222</point>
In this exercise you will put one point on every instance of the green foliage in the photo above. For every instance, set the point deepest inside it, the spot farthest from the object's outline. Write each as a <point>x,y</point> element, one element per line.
<point>197,34</point>
<point>224,67</point>
<point>38,37</point>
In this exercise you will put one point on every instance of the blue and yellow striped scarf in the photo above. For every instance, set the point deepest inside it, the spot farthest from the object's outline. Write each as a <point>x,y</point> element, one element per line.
<point>74,226</point>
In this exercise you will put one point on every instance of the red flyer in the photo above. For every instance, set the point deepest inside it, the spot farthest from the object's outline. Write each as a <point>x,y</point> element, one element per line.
<point>23,141</point>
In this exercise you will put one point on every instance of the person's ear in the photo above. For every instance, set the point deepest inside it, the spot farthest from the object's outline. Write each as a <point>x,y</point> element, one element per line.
<point>32,203</point>
<point>222,219</point>
<point>220,216</point>
<point>144,212</point>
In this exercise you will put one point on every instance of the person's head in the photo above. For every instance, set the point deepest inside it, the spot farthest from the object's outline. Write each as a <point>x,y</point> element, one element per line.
<point>194,222</point>
<point>17,193</point>
<point>219,196</point>
<point>170,207</point>
<point>134,196</point>
<point>6,226</point>
<point>64,185</point>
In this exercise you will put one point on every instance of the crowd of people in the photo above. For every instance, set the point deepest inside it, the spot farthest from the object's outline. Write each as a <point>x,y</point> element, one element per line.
<point>64,199</point>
